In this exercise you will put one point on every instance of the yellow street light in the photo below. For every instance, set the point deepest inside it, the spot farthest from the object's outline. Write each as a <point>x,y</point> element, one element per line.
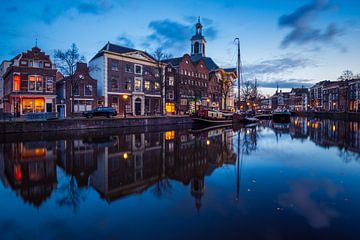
<point>125,156</point>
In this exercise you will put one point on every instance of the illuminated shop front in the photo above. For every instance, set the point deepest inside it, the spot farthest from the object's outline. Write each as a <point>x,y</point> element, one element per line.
<point>170,107</point>
<point>33,105</point>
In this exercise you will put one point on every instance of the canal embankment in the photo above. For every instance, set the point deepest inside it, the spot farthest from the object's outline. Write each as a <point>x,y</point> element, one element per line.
<point>347,116</point>
<point>10,127</point>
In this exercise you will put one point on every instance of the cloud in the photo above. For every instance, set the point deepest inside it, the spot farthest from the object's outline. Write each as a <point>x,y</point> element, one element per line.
<point>174,35</point>
<point>125,41</point>
<point>301,199</point>
<point>285,83</point>
<point>302,32</point>
<point>277,65</point>
<point>52,11</point>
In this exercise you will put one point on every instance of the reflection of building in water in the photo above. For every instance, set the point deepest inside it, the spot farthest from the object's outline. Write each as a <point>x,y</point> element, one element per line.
<point>138,161</point>
<point>328,132</point>
<point>30,169</point>
<point>130,166</point>
<point>79,157</point>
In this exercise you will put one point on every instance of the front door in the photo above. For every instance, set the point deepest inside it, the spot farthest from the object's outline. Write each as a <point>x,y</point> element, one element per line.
<point>138,106</point>
<point>48,107</point>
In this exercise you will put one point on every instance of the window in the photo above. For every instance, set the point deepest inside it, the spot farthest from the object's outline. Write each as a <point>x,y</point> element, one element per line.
<point>138,69</point>
<point>171,81</point>
<point>41,64</point>
<point>147,85</point>
<point>157,86</point>
<point>128,85</point>
<point>35,84</point>
<point>114,84</point>
<point>115,65</point>
<point>49,84</point>
<point>137,84</point>
<point>16,82</point>
<point>76,91</point>
<point>31,63</point>
<point>47,65</point>
<point>24,62</point>
<point>170,95</point>
<point>183,102</point>
<point>128,68</point>
<point>88,90</point>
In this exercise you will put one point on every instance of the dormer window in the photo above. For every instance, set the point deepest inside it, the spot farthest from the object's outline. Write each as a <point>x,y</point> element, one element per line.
<point>47,65</point>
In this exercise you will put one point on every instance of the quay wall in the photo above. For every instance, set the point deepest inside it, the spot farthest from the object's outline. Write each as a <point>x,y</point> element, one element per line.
<point>8,127</point>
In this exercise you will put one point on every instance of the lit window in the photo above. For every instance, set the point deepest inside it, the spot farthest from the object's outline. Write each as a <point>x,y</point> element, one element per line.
<point>137,84</point>
<point>138,69</point>
<point>147,85</point>
<point>16,82</point>
<point>171,81</point>
<point>35,84</point>
<point>157,85</point>
<point>49,84</point>
<point>88,90</point>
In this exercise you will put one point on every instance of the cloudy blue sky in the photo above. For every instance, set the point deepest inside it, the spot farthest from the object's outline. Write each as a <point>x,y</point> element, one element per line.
<point>290,43</point>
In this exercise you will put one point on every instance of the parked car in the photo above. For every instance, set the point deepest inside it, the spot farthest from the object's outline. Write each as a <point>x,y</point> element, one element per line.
<point>100,111</point>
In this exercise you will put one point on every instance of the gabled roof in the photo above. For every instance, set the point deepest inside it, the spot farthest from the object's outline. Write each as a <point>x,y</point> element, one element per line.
<point>110,47</point>
<point>211,65</point>
<point>173,61</point>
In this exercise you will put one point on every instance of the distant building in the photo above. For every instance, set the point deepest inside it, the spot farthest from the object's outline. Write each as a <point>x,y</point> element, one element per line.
<point>29,83</point>
<point>316,95</point>
<point>85,93</point>
<point>335,96</point>
<point>354,95</point>
<point>298,99</point>
<point>265,104</point>
<point>280,100</point>
<point>3,67</point>
<point>128,79</point>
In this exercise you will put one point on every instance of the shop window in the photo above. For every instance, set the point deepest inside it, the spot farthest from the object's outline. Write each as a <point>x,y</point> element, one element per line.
<point>170,107</point>
<point>27,105</point>
<point>39,105</point>
<point>16,82</point>
<point>49,84</point>
<point>88,90</point>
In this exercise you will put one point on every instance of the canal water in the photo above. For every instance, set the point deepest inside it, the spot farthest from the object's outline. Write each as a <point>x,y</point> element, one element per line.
<point>271,181</point>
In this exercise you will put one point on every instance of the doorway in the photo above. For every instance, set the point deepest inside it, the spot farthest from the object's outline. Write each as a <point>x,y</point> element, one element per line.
<point>137,106</point>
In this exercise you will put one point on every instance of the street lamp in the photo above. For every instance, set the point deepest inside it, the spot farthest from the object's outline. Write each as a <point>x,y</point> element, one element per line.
<point>125,97</point>
<point>208,101</point>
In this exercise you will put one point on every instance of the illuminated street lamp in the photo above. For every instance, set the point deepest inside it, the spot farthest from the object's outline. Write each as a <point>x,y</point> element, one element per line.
<point>125,97</point>
<point>208,101</point>
<point>208,142</point>
<point>125,156</point>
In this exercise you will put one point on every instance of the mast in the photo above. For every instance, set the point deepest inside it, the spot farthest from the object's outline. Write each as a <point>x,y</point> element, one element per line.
<point>238,70</point>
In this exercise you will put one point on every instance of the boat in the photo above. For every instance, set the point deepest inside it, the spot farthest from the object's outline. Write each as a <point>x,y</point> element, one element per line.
<point>208,116</point>
<point>281,116</point>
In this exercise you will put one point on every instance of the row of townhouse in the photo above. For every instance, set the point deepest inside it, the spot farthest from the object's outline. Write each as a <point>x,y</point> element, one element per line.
<point>130,80</point>
<point>341,96</point>
<point>296,100</point>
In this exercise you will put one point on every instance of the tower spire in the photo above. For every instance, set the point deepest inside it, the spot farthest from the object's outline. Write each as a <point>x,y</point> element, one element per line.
<point>35,42</point>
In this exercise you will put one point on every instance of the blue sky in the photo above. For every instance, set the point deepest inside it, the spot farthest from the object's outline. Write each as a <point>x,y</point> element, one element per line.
<point>290,43</point>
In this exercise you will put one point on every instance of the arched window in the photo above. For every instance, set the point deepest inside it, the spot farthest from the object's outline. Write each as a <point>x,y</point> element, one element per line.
<point>196,48</point>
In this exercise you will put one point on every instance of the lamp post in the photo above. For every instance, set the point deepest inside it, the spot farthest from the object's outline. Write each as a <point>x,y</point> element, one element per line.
<point>125,97</point>
<point>208,102</point>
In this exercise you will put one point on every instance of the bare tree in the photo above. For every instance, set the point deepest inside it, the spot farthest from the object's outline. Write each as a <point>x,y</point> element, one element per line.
<point>158,73</point>
<point>226,87</point>
<point>66,62</point>
<point>346,75</point>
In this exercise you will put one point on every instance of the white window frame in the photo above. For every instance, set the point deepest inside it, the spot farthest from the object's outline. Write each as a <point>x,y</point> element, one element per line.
<point>85,90</point>
<point>42,83</point>
<point>141,84</point>
<point>171,81</point>
<point>141,68</point>
<point>47,79</point>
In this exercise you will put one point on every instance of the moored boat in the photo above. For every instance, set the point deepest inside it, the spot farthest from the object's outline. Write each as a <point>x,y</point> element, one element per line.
<point>281,116</point>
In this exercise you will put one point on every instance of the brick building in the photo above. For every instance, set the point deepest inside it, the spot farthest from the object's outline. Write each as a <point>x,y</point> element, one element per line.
<point>128,79</point>
<point>316,95</point>
<point>85,93</point>
<point>298,99</point>
<point>191,75</point>
<point>335,95</point>
<point>29,83</point>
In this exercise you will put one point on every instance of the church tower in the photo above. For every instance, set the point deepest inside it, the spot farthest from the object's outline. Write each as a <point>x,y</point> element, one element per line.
<point>198,41</point>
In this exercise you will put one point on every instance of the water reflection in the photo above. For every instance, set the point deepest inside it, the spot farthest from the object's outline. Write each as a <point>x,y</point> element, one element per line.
<point>247,180</point>
<point>118,165</point>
